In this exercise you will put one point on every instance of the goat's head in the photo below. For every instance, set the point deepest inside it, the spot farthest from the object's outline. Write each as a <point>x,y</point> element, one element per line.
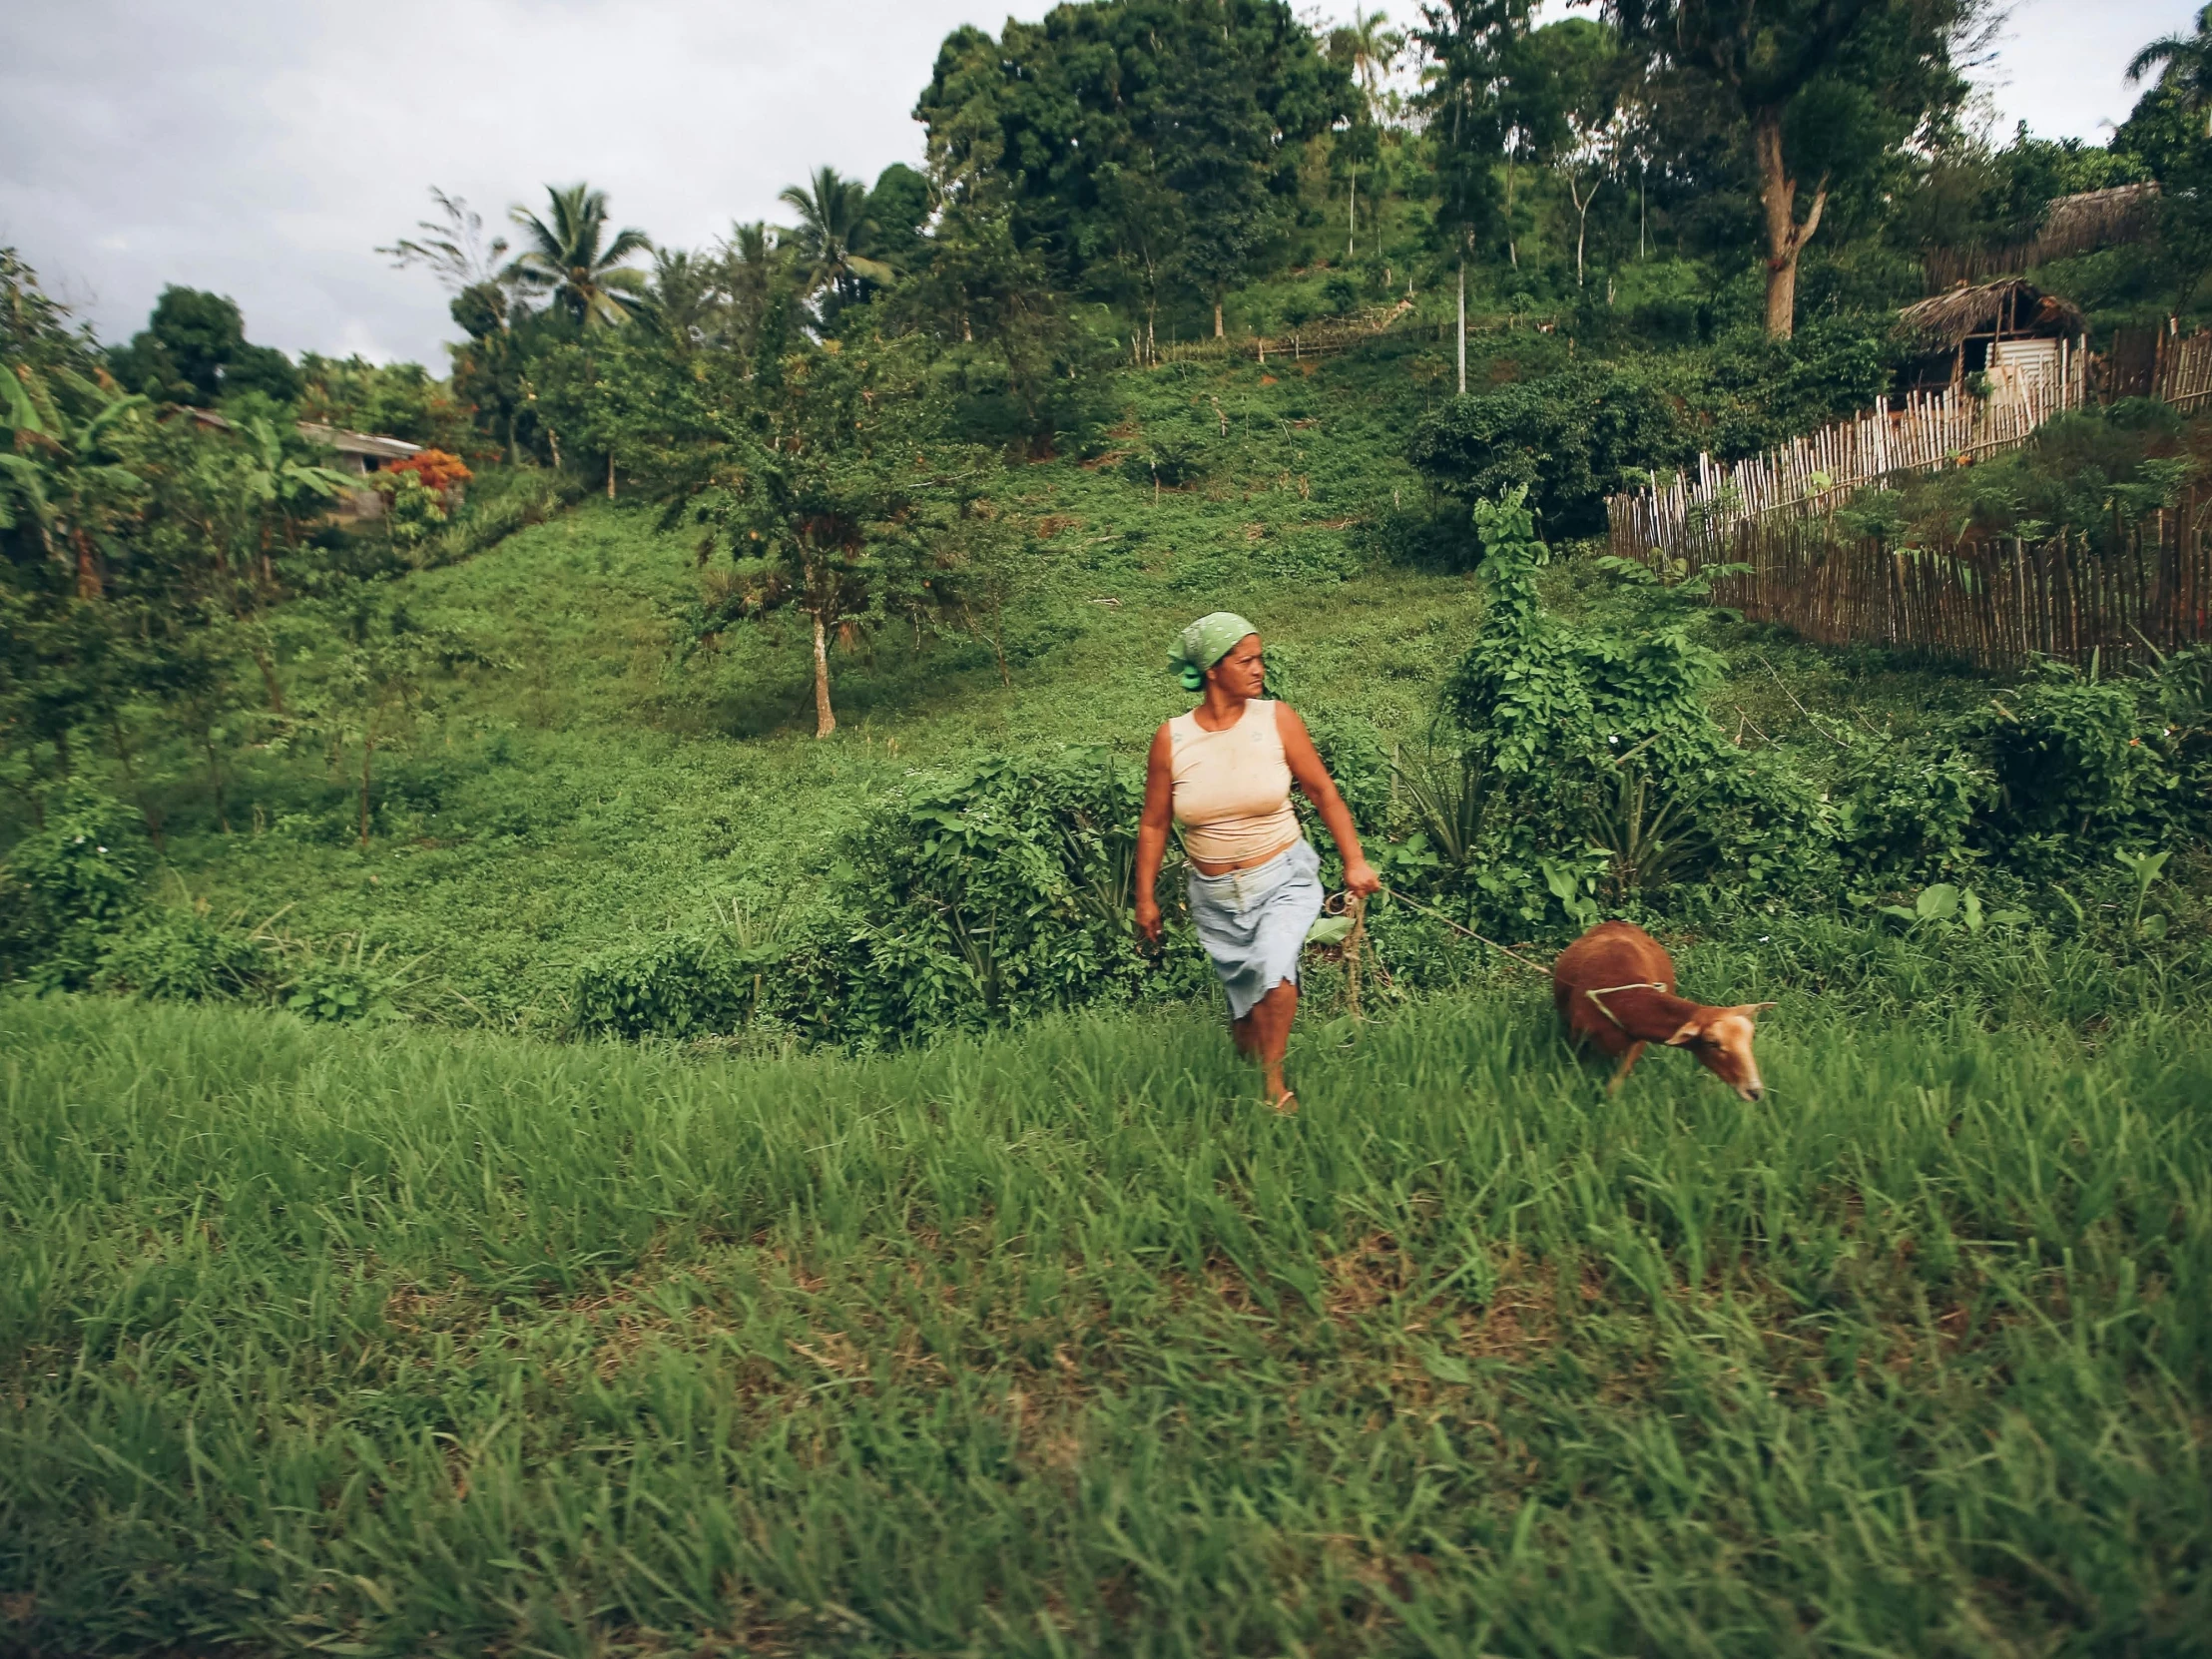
<point>1721,1041</point>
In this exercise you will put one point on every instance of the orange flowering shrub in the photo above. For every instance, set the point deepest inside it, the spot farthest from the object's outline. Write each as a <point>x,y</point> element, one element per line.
<point>437,469</point>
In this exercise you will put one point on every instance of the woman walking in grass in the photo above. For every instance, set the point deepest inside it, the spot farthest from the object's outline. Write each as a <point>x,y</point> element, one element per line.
<point>1224,772</point>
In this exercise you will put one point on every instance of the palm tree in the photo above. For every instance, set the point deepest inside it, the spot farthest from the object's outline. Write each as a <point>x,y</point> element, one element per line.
<point>566,262</point>
<point>2188,61</point>
<point>835,234</point>
<point>1368,46</point>
<point>1373,47</point>
<point>452,245</point>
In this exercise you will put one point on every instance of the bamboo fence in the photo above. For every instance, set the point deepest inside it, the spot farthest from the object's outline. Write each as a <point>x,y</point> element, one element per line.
<point>2183,375</point>
<point>1993,603</point>
<point>1323,339</point>
<point>1810,473</point>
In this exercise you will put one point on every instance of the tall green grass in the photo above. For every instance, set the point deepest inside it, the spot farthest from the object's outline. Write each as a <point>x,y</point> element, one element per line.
<point>412,1344</point>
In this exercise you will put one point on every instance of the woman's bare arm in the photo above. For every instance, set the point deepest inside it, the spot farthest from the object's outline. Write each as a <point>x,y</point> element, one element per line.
<point>1152,829</point>
<point>1321,790</point>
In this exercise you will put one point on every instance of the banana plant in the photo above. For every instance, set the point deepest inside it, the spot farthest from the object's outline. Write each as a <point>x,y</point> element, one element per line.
<point>273,478</point>
<point>63,474</point>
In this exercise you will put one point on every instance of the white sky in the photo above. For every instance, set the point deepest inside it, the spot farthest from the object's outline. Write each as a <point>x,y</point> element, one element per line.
<point>264,149</point>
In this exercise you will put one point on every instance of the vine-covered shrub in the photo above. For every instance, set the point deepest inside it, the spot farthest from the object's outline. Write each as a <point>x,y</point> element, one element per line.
<point>1605,775</point>
<point>967,902</point>
<point>1566,440</point>
<point>184,956</point>
<point>1907,812</point>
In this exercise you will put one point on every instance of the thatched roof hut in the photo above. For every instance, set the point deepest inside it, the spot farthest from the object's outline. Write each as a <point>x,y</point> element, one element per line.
<point>2097,219</point>
<point>2008,308</point>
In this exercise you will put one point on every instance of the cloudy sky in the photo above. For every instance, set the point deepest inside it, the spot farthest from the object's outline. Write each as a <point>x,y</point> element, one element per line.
<point>264,147</point>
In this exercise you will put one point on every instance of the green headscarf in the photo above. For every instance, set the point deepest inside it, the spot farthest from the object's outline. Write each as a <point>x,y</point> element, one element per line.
<point>1204,643</point>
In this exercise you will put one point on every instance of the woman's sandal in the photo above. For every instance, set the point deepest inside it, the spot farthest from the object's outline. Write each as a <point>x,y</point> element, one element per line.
<point>1286,1104</point>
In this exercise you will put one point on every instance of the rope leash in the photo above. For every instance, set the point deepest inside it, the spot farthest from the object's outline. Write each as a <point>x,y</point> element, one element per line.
<point>1598,997</point>
<point>1471,932</point>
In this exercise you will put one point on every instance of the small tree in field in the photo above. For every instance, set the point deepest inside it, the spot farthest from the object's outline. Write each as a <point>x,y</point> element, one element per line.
<point>832,487</point>
<point>383,674</point>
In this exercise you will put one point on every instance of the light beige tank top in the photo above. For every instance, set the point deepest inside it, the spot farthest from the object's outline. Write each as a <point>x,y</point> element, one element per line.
<point>1233,787</point>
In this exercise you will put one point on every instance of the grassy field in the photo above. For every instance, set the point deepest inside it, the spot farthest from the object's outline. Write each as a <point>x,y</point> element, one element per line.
<point>415,1343</point>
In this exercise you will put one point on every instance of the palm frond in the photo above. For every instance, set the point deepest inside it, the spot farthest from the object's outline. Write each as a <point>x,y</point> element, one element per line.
<point>21,413</point>
<point>2163,50</point>
<point>628,240</point>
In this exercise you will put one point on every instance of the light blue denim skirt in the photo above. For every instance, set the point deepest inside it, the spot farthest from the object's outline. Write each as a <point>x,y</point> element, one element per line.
<point>1253,922</point>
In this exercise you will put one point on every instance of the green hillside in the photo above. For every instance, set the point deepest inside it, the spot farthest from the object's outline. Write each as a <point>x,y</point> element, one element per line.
<point>609,782</point>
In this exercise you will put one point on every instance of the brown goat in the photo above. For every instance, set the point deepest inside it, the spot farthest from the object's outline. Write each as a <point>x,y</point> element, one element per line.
<point>1615,986</point>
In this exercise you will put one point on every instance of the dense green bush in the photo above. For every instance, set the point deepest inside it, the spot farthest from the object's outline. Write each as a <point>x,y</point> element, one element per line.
<point>963,903</point>
<point>1906,811</point>
<point>679,985</point>
<point>68,887</point>
<point>182,956</point>
<point>2070,758</point>
<point>1749,392</point>
<point>1604,772</point>
<point>1567,440</point>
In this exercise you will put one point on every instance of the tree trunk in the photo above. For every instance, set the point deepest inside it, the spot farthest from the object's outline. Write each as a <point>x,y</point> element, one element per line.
<point>215,776</point>
<point>1512,243</point>
<point>1461,338</point>
<point>129,776</point>
<point>1217,317</point>
<point>610,477</point>
<point>1352,215</point>
<point>1786,238</point>
<point>269,679</point>
<point>88,584</point>
<point>825,719</point>
<point>369,753</point>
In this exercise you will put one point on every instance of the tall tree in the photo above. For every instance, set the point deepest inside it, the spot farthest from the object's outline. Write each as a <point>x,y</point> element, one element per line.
<point>1468,47</point>
<point>569,258</point>
<point>754,266</point>
<point>1815,82</point>
<point>900,204</point>
<point>2185,62</point>
<point>193,350</point>
<point>451,247</point>
<point>1152,140</point>
<point>834,240</point>
<point>63,481</point>
<point>1369,47</point>
<point>1579,71</point>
